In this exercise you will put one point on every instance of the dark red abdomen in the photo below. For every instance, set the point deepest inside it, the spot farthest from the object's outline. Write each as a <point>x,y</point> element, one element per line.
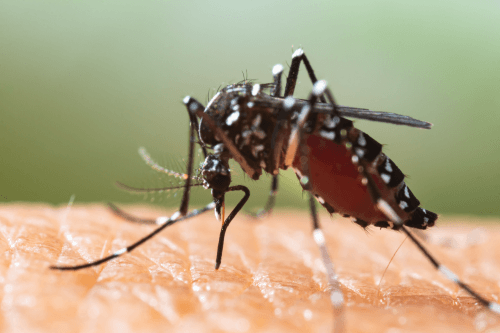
<point>336,180</point>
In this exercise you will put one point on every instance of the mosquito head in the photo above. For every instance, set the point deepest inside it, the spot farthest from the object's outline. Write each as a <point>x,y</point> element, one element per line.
<point>215,172</point>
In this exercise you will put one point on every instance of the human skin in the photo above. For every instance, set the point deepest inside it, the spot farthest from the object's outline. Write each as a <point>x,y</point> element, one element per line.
<point>271,278</point>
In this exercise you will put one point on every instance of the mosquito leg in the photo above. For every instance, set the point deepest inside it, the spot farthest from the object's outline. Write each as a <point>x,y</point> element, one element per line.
<point>296,145</point>
<point>393,118</point>
<point>276,141</point>
<point>162,221</point>
<point>291,81</point>
<point>494,307</point>
<point>299,127</point>
<point>277,74</point>
<point>185,196</point>
<point>229,219</point>
<point>277,138</point>
<point>276,146</point>
<point>197,108</point>
<point>271,200</point>
<point>336,295</point>
<point>392,216</point>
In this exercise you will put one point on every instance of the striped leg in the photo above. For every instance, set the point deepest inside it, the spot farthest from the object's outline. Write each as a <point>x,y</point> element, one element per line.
<point>276,146</point>
<point>187,186</point>
<point>283,115</point>
<point>298,57</point>
<point>277,139</point>
<point>162,221</point>
<point>336,295</point>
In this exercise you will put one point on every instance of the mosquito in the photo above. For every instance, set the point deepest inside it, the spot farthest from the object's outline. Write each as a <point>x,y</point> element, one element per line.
<point>341,167</point>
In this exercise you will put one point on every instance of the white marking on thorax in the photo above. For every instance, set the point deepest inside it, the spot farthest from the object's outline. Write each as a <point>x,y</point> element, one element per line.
<point>212,100</point>
<point>232,118</point>
<point>289,102</point>
<point>256,89</point>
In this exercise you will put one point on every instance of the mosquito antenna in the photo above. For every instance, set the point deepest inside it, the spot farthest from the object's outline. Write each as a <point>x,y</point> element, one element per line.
<point>160,189</point>
<point>163,221</point>
<point>155,166</point>
<point>387,267</point>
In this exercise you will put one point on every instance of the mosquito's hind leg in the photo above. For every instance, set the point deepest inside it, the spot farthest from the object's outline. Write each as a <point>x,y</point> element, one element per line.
<point>276,146</point>
<point>297,146</point>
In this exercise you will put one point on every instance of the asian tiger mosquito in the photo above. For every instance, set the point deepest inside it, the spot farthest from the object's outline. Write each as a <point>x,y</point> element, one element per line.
<point>268,132</point>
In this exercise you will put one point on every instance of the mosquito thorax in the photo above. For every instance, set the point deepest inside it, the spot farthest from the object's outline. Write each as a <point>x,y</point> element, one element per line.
<point>224,103</point>
<point>240,111</point>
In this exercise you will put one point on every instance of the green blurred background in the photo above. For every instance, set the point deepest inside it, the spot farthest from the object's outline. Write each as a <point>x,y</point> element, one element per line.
<point>84,84</point>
